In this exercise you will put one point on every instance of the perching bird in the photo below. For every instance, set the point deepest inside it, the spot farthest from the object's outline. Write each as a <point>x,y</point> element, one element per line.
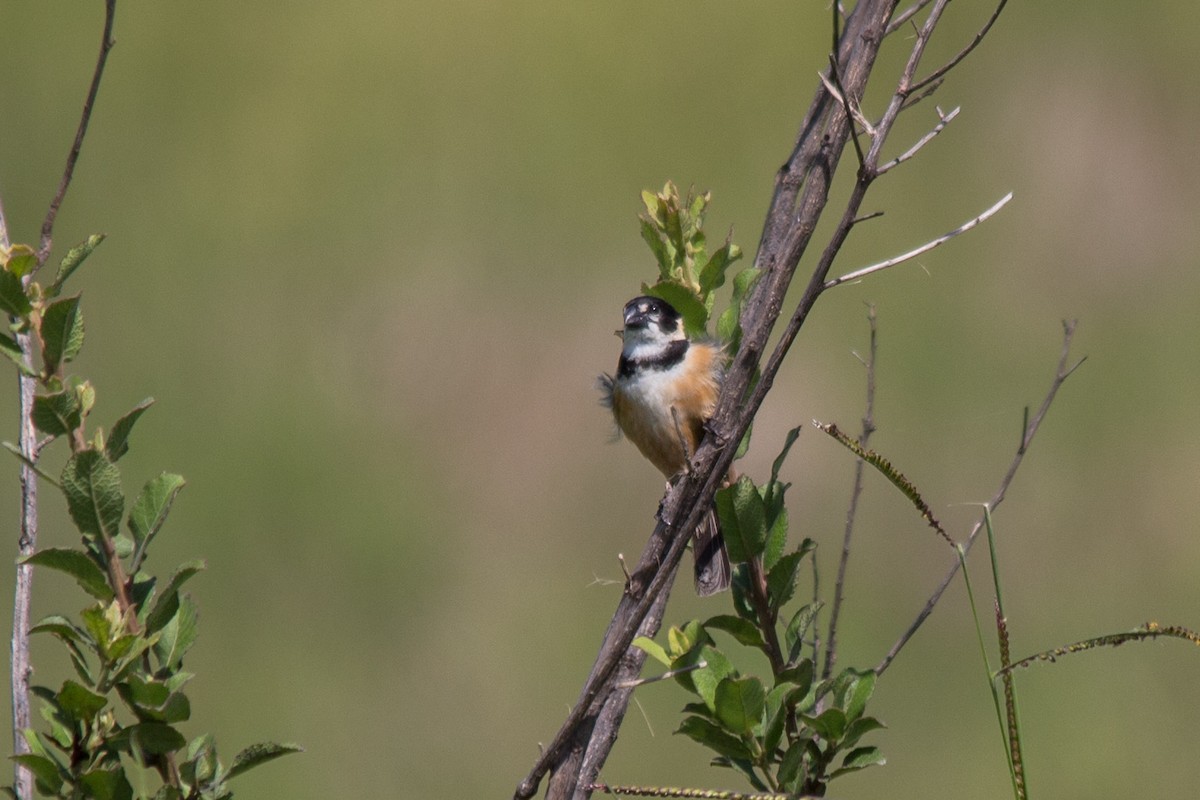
<point>661,370</point>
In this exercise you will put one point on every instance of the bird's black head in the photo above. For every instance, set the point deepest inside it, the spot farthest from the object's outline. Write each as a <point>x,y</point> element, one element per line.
<point>646,312</point>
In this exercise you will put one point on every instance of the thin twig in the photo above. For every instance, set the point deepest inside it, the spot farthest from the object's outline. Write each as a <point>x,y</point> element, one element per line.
<point>938,73</point>
<point>943,121</point>
<point>925,248</point>
<point>868,427</point>
<point>1060,376</point>
<point>904,16</point>
<point>106,44</point>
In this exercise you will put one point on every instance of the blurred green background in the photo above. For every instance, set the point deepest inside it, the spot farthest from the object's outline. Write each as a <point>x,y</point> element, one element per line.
<point>369,257</point>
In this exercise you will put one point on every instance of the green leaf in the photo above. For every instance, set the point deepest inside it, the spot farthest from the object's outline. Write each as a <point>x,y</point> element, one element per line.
<point>57,414</point>
<point>744,631</point>
<point>714,737</point>
<point>149,512</point>
<point>781,580</point>
<point>859,758</point>
<point>72,261</point>
<point>92,485</point>
<point>168,600</point>
<point>178,635</point>
<point>652,649</point>
<point>829,724</point>
<point>728,327</point>
<point>107,784</point>
<point>743,520</point>
<point>776,538</point>
<point>789,766</point>
<point>44,770</point>
<point>801,675</point>
<point>793,635</point>
<point>156,738</point>
<point>854,699</point>
<point>706,680</point>
<point>652,238</point>
<point>712,274</point>
<point>260,753</point>
<point>740,703</point>
<point>62,332</point>
<point>90,577</point>
<point>118,438</point>
<point>80,702</point>
<point>13,300</point>
<point>21,260</point>
<point>860,728</point>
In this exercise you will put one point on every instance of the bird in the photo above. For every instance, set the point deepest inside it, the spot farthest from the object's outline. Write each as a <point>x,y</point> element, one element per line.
<point>664,392</point>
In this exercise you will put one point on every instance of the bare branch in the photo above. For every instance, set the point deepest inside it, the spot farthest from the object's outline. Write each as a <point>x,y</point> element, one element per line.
<point>106,44</point>
<point>925,248</point>
<point>1060,376</point>
<point>943,121</point>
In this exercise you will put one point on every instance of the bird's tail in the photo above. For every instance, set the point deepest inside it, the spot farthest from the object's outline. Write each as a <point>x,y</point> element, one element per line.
<point>713,572</point>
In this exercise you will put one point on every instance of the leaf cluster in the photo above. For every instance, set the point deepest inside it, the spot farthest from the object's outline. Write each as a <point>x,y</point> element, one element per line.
<point>688,276</point>
<point>123,708</point>
<point>790,732</point>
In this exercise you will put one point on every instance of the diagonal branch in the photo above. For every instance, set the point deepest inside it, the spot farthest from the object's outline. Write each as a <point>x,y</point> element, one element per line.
<point>1031,428</point>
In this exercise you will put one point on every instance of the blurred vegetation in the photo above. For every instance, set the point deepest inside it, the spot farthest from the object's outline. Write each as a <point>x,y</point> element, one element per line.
<point>369,256</point>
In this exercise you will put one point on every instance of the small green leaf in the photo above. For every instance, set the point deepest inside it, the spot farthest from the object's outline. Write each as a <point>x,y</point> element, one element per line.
<point>789,766</point>
<point>858,729</point>
<point>72,261</point>
<point>712,274</point>
<point>706,680</point>
<point>149,512</point>
<point>743,520</point>
<point>744,631</point>
<point>21,260</point>
<point>156,738</point>
<point>713,736</point>
<point>178,635</point>
<point>118,438</point>
<point>859,758</point>
<point>260,753</point>
<point>107,784</point>
<point>781,580</point>
<point>857,694</point>
<point>740,703</point>
<point>57,414</point>
<point>13,300</point>
<point>62,332</point>
<point>793,635</point>
<point>80,702</point>
<point>829,725</point>
<point>652,649</point>
<point>92,485</point>
<point>90,577</point>
<point>728,324</point>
